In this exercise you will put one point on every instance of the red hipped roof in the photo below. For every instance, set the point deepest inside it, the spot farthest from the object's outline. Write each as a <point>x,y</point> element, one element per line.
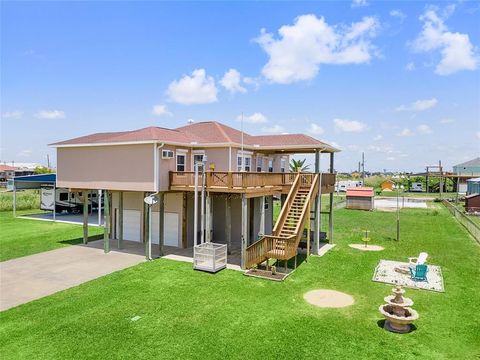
<point>360,192</point>
<point>201,133</point>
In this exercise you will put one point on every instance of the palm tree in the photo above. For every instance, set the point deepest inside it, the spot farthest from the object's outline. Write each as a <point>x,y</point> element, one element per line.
<point>298,165</point>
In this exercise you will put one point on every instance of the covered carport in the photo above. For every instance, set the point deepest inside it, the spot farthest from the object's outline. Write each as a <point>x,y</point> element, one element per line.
<point>37,182</point>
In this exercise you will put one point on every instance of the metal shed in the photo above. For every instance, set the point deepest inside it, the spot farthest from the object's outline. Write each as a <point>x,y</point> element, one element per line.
<point>473,186</point>
<point>360,198</point>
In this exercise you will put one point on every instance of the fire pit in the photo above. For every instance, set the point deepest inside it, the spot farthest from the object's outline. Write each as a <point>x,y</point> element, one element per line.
<point>397,312</point>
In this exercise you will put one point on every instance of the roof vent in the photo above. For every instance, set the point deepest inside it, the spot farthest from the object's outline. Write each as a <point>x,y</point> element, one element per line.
<point>190,121</point>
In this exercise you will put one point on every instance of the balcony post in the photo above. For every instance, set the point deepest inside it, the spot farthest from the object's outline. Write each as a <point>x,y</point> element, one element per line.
<point>317,225</point>
<point>330,213</point>
<point>244,230</point>
<point>228,223</point>
<point>262,215</point>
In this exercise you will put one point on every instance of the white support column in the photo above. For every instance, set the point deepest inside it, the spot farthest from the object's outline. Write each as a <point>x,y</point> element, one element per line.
<point>161,205</point>
<point>244,237</point>
<point>262,215</point>
<point>208,218</point>
<point>15,199</point>
<point>317,225</point>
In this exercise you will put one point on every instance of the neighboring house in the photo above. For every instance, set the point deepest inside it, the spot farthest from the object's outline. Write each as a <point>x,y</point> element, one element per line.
<point>6,172</point>
<point>473,186</point>
<point>360,198</point>
<point>464,171</point>
<point>387,185</point>
<point>9,172</point>
<point>472,203</point>
<point>240,184</point>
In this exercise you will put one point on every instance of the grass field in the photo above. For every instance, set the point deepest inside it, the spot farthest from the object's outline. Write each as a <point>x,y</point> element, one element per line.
<point>27,199</point>
<point>194,315</point>
<point>21,237</point>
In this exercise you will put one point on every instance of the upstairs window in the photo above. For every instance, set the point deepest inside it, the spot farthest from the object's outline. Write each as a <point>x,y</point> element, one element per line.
<point>181,162</point>
<point>248,162</point>
<point>270,165</point>
<point>259,163</point>
<point>283,163</point>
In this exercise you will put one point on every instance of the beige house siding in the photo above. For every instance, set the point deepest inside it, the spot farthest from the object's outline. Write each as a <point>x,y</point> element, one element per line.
<point>120,167</point>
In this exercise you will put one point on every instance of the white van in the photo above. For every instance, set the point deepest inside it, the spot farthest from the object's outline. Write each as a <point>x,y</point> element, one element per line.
<point>416,187</point>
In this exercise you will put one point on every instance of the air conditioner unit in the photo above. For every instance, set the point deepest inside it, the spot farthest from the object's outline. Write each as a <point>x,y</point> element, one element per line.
<point>167,154</point>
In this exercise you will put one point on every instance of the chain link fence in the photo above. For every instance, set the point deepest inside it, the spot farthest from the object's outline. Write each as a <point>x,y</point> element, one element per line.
<point>463,219</point>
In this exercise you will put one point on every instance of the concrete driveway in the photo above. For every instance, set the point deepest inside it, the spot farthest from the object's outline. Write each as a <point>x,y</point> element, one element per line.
<point>35,276</point>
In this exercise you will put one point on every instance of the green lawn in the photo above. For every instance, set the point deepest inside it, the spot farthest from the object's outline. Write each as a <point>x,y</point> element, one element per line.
<point>186,314</point>
<point>21,237</point>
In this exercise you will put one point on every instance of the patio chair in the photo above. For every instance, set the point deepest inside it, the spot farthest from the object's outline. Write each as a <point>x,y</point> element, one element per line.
<point>420,260</point>
<point>420,273</point>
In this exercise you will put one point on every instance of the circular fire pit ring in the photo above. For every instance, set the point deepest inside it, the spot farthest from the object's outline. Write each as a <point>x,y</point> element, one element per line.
<point>328,298</point>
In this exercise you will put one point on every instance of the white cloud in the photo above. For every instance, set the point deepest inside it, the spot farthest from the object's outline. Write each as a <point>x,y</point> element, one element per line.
<point>410,66</point>
<point>161,110</point>
<point>231,81</point>
<point>275,129</point>
<point>419,105</point>
<point>315,129</point>
<point>359,3</point>
<point>195,89</point>
<point>344,125</point>
<point>478,134</point>
<point>377,138</point>
<point>50,114</point>
<point>447,121</point>
<point>424,129</point>
<point>301,48</point>
<point>457,52</point>
<point>255,118</point>
<point>398,14</point>
<point>406,132</point>
<point>16,114</point>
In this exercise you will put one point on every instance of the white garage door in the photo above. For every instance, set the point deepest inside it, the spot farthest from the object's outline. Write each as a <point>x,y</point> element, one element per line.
<point>131,225</point>
<point>171,228</point>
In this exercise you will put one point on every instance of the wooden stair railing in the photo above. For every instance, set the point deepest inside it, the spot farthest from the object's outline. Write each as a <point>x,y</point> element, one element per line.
<point>288,230</point>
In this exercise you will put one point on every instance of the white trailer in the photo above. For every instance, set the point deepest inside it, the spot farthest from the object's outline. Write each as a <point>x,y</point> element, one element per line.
<point>416,187</point>
<point>64,200</point>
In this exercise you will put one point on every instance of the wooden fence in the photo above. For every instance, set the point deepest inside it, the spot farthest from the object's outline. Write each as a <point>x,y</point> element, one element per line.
<point>463,219</point>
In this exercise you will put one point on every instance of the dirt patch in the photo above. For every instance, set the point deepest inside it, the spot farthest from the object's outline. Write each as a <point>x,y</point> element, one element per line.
<point>328,298</point>
<point>362,247</point>
<point>264,274</point>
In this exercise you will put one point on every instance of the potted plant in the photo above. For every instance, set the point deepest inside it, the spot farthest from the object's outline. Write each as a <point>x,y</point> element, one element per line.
<point>274,270</point>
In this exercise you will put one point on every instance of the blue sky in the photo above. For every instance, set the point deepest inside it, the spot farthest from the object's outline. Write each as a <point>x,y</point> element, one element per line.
<point>398,80</point>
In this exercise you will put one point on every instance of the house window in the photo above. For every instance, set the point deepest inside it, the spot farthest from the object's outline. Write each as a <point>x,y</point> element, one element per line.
<point>248,162</point>
<point>259,163</point>
<point>181,162</point>
<point>270,165</point>
<point>195,158</point>
<point>283,163</point>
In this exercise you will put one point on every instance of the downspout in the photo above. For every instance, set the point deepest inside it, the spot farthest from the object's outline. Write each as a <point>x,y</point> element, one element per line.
<point>156,166</point>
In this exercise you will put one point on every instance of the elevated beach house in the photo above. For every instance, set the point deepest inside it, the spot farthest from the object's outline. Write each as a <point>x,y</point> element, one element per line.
<point>239,173</point>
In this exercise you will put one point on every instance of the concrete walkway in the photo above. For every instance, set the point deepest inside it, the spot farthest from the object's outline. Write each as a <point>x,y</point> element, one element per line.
<point>35,276</point>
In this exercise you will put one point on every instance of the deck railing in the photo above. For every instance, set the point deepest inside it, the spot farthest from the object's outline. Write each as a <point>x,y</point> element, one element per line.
<point>244,180</point>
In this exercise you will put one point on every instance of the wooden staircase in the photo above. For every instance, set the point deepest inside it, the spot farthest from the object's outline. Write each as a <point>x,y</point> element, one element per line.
<point>288,230</point>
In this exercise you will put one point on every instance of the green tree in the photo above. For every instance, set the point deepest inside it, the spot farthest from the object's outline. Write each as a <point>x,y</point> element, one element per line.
<point>298,165</point>
<point>43,170</point>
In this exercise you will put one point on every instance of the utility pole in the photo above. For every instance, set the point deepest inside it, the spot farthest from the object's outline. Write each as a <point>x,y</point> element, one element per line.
<point>363,168</point>
<point>48,161</point>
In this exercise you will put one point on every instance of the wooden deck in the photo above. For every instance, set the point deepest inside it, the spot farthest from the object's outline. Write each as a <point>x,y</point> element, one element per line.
<point>251,183</point>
